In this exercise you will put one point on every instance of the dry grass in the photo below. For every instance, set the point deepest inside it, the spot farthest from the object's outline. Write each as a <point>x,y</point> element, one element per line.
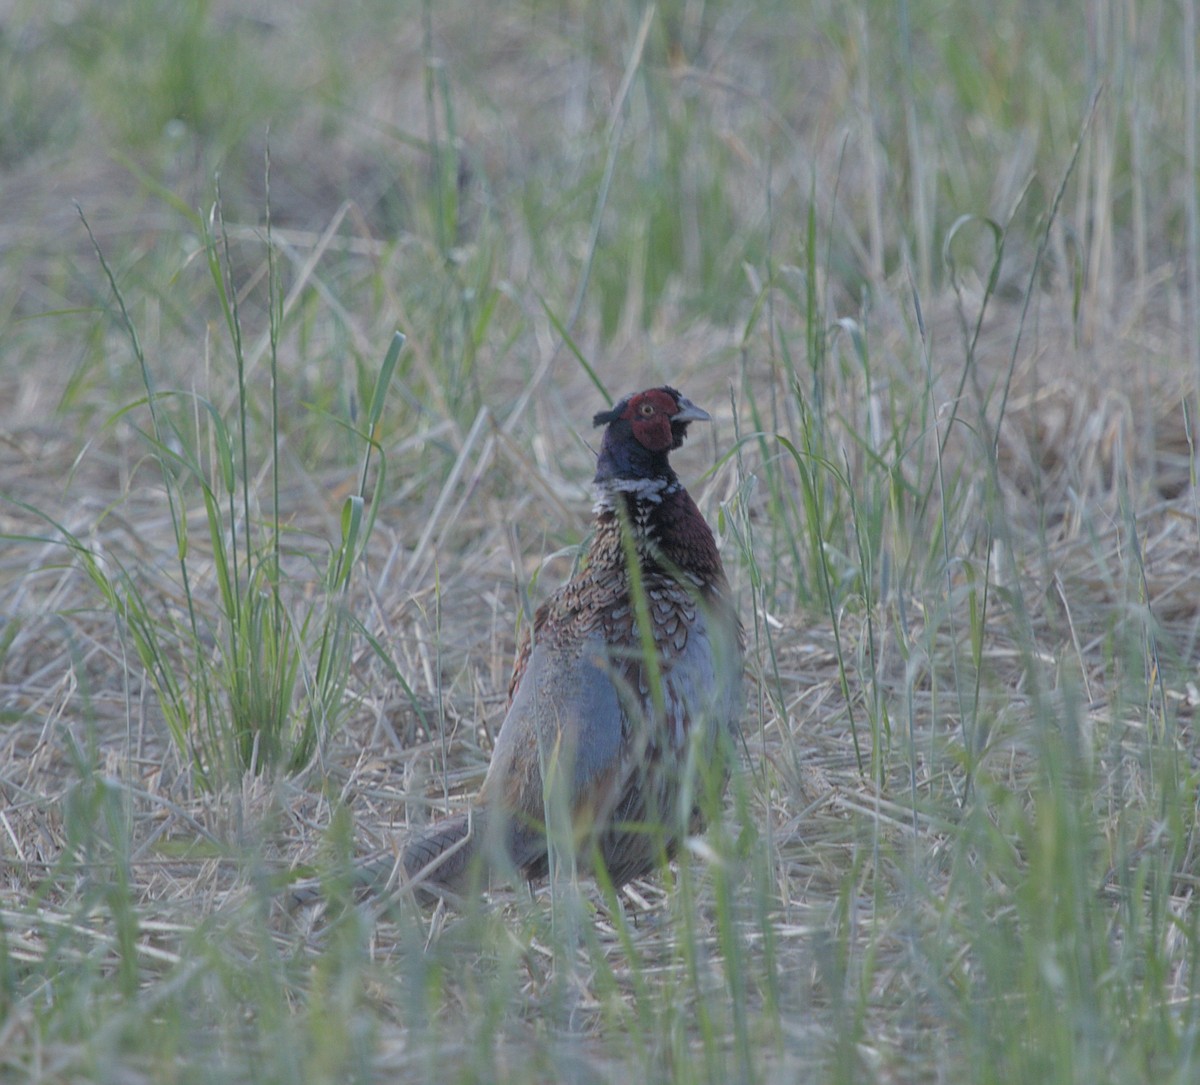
<point>961,845</point>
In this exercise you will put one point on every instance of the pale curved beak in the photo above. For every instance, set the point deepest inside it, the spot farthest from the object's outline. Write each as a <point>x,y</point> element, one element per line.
<point>689,412</point>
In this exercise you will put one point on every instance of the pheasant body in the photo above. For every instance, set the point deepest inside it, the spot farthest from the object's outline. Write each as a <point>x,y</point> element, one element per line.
<point>593,750</point>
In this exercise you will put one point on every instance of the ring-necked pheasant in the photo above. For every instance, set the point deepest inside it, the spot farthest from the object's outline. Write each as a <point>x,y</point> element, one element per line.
<point>609,719</point>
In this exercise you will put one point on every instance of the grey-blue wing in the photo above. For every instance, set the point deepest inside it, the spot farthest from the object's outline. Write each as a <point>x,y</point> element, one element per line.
<point>559,750</point>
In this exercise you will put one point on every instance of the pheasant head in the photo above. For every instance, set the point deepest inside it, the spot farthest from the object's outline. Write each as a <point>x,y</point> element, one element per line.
<point>641,429</point>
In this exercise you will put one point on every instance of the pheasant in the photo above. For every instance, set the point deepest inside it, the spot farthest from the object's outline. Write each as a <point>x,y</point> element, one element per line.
<point>625,687</point>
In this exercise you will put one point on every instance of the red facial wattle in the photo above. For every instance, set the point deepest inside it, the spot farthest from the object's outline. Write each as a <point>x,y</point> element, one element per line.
<point>649,415</point>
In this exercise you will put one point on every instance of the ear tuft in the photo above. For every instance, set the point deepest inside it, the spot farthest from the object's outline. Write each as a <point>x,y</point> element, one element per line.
<point>602,418</point>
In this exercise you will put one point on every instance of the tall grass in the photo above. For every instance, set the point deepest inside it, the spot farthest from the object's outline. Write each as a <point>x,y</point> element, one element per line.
<point>919,251</point>
<point>246,680</point>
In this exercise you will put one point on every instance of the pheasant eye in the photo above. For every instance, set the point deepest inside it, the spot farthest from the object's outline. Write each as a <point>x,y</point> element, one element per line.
<point>647,409</point>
